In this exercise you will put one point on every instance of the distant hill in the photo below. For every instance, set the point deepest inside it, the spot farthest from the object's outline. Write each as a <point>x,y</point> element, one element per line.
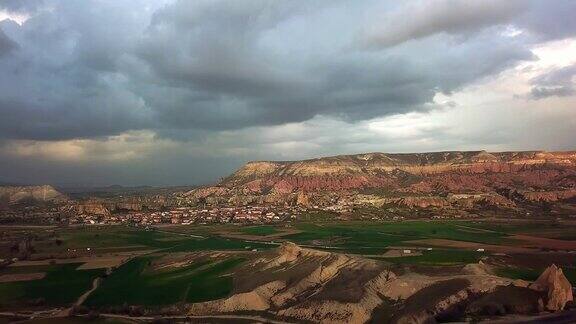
<point>117,190</point>
<point>17,194</point>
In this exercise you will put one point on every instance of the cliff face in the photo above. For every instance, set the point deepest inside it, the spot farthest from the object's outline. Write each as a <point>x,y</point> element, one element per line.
<point>379,169</point>
<point>16,194</point>
<point>93,207</point>
<point>496,178</point>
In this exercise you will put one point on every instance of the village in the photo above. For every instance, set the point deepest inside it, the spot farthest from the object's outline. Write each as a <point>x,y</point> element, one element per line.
<point>192,215</point>
<point>174,215</point>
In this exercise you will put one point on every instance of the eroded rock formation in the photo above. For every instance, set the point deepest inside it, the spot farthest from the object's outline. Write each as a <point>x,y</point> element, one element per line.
<point>307,285</point>
<point>557,288</point>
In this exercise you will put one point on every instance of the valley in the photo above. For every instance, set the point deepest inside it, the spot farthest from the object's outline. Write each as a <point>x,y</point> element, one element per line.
<point>177,270</point>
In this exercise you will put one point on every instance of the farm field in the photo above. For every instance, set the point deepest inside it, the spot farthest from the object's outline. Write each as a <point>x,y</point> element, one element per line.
<point>61,285</point>
<point>369,238</point>
<point>137,283</point>
<point>355,235</point>
<point>137,257</point>
<point>217,243</point>
<point>262,230</point>
<point>110,241</point>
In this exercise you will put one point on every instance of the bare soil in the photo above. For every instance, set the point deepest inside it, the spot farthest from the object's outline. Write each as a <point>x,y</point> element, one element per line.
<point>21,276</point>
<point>542,242</point>
<point>90,262</point>
<point>397,253</point>
<point>472,246</point>
<point>103,263</point>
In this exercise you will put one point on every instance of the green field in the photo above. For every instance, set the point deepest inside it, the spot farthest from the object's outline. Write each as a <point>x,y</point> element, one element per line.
<point>62,285</point>
<point>550,229</point>
<point>366,238</point>
<point>135,283</point>
<point>262,230</point>
<point>102,239</point>
<point>117,236</point>
<point>217,243</point>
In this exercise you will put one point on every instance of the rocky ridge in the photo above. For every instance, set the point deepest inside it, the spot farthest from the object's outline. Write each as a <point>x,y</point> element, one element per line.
<point>306,285</point>
<point>418,180</point>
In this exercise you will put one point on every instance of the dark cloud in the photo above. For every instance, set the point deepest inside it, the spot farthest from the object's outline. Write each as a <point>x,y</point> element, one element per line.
<point>21,6</point>
<point>238,74</point>
<point>191,71</point>
<point>108,67</point>
<point>168,168</point>
<point>556,83</point>
<point>541,20</point>
<point>421,19</point>
<point>81,118</point>
<point>6,44</point>
<point>545,92</point>
<point>549,20</point>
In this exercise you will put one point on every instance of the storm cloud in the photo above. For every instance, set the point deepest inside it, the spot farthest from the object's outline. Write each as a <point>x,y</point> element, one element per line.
<point>191,71</point>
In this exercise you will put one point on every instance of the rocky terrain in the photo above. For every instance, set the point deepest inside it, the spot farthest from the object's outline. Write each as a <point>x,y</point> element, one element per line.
<point>107,206</point>
<point>305,285</point>
<point>10,195</point>
<point>420,180</point>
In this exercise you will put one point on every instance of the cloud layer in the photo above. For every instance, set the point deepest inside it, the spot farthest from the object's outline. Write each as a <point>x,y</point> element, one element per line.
<point>179,77</point>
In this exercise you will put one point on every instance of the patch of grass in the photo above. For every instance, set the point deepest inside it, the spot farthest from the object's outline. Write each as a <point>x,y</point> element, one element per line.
<point>62,285</point>
<point>210,284</point>
<point>26,269</point>
<point>262,230</point>
<point>104,238</point>
<point>136,284</point>
<point>217,243</point>
<point>518,273</point>
<point>550,229</point>
<point>115,236</point>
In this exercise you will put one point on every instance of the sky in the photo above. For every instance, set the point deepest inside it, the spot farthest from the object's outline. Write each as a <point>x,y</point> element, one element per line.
<point>183,92</point>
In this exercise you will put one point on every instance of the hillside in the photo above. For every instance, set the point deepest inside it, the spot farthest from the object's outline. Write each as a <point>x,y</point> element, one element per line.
<point>17,194</point>
<point>416,180</point>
